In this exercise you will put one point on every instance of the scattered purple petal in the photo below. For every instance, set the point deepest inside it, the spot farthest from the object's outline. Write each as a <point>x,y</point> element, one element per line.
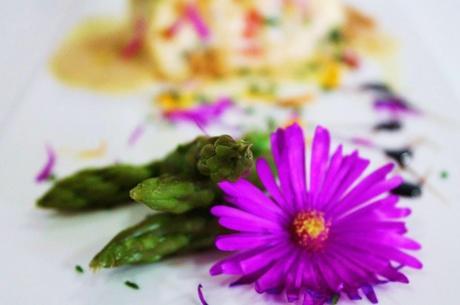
<point>394,105</point>
<point>201,115</point>
<point>362,142</point>
<point>193,15</point>
<point>136,134</point>
<point>201,295</point>
<point>47,170</point>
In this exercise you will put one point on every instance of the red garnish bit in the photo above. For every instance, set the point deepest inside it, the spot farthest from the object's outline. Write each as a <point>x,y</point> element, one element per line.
<point>254,20</point>
<point>171,31</point>
<point>253,51</point>
<point>351,59</point>
<point>135,44</point>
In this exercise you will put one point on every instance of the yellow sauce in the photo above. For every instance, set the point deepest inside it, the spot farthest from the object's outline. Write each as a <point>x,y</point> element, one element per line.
<point>91,58</point>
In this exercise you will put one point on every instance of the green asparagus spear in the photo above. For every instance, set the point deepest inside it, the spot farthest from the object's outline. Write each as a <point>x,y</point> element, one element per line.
<point>219,158</point>
<point>225,159</point>
<point>96,188</point>
<point>175,194</point>
<point>180,194</point>
<point>164,234</point>
<point>214,157</point>
<point>157,237</point>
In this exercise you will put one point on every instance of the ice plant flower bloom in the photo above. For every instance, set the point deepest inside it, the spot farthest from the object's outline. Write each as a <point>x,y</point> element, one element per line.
<point>314,239</point>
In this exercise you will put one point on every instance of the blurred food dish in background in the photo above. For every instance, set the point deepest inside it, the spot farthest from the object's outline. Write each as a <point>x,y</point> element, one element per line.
<point>215,41</point>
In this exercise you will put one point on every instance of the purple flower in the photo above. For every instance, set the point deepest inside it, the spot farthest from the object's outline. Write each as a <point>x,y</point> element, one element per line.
<point>201,115</point>
<point>318,238</point>
<point>46,171</point>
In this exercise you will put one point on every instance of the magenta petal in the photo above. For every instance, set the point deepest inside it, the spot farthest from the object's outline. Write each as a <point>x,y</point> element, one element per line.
<point>369,210</point>
<point>237,242</point>
<point>263,258</point>
<point>330,277</point>
<point>270,279</point>
<point>250,198</point>
<point>47,170</point>
<point>249,278</point>
<point>393,275</point>
<point>268,180</point>
<point>370,294</point>
<point>296,159</point>
<point>353,294</point>
<point>288,148</point>
<point>292,293</point>
<point>319,158</point>
<point>231,265</point>
<point>201,115</point>
<point>350,168</point>
<point>136,134</point>
<point>363,186</point>
<point>376,190</point>
<point>331,177</point>
<point>235,219</point>
<point>197,22</point>
<point>201,295</point>
<point>357,166</point>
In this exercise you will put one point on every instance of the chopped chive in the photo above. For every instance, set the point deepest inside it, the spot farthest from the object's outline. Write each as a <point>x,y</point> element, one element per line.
<point>271,21</point>
<point>335,36</point>
<point>79,269</point>
<point>132,285</point>
<point>254,88</point>
<point>52,177</point>
<point>444,174</point>
<point>335,299</point>
<point>249,110</point>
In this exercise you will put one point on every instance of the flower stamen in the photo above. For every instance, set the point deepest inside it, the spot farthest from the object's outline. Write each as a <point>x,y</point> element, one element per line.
<point>310,229</point>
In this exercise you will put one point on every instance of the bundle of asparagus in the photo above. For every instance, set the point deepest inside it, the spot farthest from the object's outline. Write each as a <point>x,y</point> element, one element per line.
<point>180,187</point>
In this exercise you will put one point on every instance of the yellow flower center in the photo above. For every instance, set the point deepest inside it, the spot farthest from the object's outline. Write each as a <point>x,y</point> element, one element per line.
<point>310,229</point>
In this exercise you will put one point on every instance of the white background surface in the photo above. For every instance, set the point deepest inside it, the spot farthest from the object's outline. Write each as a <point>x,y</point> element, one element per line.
<point>39,250</point>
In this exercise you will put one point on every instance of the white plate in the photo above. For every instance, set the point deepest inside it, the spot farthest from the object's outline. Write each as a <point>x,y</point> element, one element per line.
<point>39,249</point>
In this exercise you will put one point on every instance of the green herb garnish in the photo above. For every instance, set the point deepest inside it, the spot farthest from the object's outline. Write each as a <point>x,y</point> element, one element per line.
<point>271,21</point>
<point>335,299</point>
<point>335,36</point>
<point>132,285</point>
<point>444,174</point>
<point>79,269</point>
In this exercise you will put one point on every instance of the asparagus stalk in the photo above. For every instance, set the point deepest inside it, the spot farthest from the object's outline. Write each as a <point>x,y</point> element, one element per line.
<point>96,188</point>
<point>214,158</point>
<point>167,234</point>
<point>157,237</point>
<point>175,194</point>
